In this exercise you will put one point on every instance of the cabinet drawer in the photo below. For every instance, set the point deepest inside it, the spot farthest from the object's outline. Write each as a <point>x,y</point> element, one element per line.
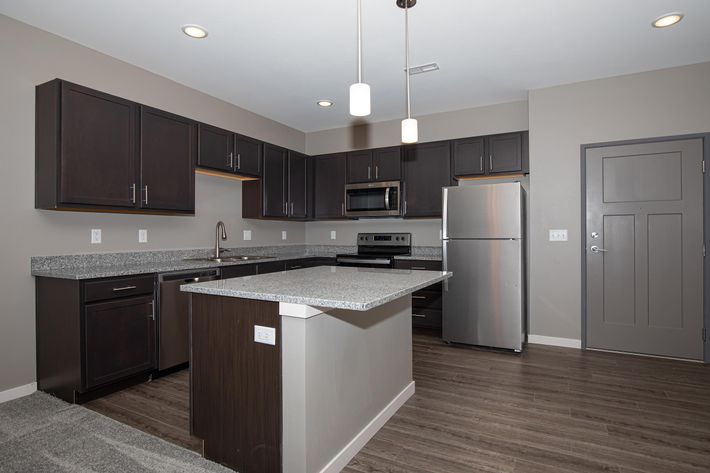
<point>428,265</point>
<point>426,299</point>
<point>114,288</point>
<point>426,318</point>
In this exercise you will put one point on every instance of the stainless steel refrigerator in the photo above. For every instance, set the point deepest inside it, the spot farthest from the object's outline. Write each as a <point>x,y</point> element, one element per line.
<point>484,246</point>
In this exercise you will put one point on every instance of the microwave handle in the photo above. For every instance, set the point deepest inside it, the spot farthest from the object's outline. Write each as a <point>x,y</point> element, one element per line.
<point>387,198</point>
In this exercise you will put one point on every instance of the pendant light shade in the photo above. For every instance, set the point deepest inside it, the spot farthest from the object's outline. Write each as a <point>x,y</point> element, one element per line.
<point>359,92</point>
<point>410,130</point>
<point>359,100</point>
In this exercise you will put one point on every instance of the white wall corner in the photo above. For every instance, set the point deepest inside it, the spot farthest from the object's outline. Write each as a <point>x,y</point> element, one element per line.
<point>19,391</point>
<point>555,341</point>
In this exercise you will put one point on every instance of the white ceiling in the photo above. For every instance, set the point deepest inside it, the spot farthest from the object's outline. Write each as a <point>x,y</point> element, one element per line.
<point>278,58</point>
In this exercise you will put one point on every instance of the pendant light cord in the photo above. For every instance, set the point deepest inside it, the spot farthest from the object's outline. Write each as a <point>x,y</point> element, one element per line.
<point>406,52</point>
<point>359,41</point>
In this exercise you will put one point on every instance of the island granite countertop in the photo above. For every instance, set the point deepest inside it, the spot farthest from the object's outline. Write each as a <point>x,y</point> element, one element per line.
<point>335,287</point>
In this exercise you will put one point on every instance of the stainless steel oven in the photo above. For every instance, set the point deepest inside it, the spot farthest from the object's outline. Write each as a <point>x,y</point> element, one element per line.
<point>372,199</point>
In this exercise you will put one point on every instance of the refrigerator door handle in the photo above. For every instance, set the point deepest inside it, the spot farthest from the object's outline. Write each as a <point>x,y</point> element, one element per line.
<point>444,264</point>
<point>444,213</point>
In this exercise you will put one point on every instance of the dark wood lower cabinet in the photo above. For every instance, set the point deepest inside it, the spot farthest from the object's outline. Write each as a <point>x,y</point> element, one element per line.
<point>235,386</point>
<point>119,339</point>
<point>93,336</point>
<point>426,303</point>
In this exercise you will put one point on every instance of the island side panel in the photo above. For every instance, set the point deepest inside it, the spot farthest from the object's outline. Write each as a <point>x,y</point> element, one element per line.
<point>235,387</point>
<point>355,366</point>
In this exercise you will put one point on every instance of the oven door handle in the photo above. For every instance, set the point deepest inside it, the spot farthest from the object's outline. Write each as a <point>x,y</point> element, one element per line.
<point>381,261</point>
<point>387,198</point>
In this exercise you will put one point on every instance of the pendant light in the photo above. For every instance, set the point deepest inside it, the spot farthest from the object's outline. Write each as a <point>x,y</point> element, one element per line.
<point>359,92</point>
<point>410,129</point>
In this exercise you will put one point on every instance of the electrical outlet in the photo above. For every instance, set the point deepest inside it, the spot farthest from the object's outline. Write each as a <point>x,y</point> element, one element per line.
<point>247,235</point>
<point>142,236</point>
<point>265,335</point>
<point>558,235</point>
<point>95,236</point>
<point>284,235</point>
<point>333,235</point>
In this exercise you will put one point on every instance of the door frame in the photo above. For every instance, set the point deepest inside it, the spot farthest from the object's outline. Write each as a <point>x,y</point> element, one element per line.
<point>706,224</point>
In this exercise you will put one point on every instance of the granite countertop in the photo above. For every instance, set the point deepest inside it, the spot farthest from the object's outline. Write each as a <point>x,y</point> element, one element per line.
<point>114,270</point>
<point>334,287</point>
<point>106,265</point>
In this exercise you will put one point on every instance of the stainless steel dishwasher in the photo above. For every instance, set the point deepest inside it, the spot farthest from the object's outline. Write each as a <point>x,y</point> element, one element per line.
<point>173,310</point>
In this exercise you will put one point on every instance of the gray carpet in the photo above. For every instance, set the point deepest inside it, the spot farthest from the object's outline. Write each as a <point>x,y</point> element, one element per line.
<point>39,433</point>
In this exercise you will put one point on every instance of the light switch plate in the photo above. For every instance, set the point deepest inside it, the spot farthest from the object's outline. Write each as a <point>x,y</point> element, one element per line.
<point>284,235</point>
<point>558,235</point>
<point>247,234</point>
<point>142,236</point>
<point>265,335</point>
<point>333,235</point>
<point>95,236</point>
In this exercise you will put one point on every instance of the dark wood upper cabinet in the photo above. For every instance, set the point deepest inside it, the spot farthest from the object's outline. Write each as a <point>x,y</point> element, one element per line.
<point>167,158</point>
<point>297,185</point>
<point>329,186</point>
<point>427,168</point>
<point>469,156</point>
<point>216,148</point>
<point>505,153</point>
<point>273,182</point>
<point>387,164</point>
<point>370,165</point>
<point>359,166</point>
<point>85,148</point>
<point>247,156</point>
<point>98,152</point>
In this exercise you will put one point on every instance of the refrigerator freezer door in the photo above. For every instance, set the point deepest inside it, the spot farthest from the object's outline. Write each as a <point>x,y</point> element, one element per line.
<point>483,301</point>
<point>485,211</point>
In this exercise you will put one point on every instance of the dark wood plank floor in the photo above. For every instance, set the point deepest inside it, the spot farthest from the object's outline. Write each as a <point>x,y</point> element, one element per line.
<point>550,410</point>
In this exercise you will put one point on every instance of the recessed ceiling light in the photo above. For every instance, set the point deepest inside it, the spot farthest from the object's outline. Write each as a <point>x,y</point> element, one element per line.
<point>669,19</point>
<point>194,31</point>
<point>325,103</point>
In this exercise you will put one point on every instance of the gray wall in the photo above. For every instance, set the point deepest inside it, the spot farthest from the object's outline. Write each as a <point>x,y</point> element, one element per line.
<point>658,103</point>
<point>29,57</point>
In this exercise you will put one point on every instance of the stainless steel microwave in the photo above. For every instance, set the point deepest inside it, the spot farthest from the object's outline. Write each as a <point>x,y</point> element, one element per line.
<point>372,199</point>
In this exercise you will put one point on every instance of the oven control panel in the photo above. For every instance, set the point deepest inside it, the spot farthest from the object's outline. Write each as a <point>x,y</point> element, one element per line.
<point>384,239</point>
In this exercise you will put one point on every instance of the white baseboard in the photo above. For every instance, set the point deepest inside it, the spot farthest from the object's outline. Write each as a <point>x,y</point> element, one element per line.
<point>555,341</point>
<point>343,457</point>
<point>19,391</point>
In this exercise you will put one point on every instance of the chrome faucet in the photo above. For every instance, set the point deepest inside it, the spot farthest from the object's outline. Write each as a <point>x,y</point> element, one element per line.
<point>217,249</point>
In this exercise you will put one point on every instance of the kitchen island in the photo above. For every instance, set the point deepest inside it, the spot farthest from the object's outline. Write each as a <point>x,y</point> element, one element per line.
<point>295,371</point>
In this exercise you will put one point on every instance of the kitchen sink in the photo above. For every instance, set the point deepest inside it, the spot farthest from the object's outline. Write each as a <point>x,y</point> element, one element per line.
<point>231,259</point>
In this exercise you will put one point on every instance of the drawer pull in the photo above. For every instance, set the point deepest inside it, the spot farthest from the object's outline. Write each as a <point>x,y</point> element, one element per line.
<point>295,267</point>
<point>421,316</point>
<point>418,297</point>
<point>418,267</point>
<point>126,288</point>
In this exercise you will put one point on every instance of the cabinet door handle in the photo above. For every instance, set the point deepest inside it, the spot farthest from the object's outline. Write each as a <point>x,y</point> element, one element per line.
<point>125,288</point>
<point>152,311</point>
<point>418,297</point>
<point>368,173</point>
<point>231,160</point>
<point>285,208</point>
<point>490,162</point>
<point>377,172</point>
<point>342,209</point>
<point>146,194</point>
<point>291,209</point>
<point>133,191</point>
<point>481,165</point>
<point>239,160</point>
<point>296,267</point>
<point>421,316</point>
<point>418,267</point>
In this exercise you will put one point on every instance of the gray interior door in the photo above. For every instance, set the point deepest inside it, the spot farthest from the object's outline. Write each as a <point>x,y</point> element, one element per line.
<point>644,248</point>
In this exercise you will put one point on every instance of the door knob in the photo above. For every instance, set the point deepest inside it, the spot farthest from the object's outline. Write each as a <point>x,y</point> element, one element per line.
<point>596,249</point>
